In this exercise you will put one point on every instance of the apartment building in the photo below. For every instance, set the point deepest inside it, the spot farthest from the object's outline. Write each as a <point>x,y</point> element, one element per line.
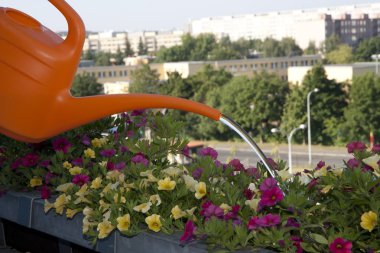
<point>112,41</point>
<point>247,67</point>
<point>353,23</point>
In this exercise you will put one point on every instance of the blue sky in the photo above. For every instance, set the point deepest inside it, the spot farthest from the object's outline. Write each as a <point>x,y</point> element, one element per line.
<point>137,15</point>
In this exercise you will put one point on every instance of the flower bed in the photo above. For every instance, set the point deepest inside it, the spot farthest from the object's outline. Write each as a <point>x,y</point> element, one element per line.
<point>123,182</point>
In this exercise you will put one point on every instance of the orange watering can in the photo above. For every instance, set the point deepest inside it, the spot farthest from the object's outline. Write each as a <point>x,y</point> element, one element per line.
<point>37,68</point>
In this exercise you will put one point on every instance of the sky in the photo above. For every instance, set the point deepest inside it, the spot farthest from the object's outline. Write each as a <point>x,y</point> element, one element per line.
<point>139,15</point>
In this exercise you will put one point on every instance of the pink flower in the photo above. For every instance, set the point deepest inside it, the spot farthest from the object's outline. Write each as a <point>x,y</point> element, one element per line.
<point>312,183</point>
<point>77,161</point>
<point>209,152</point>
<point>137,112</point>
<point>209,209</point>
<point>123,149</point>
<point>48,176</point>
<point>253,172</point>
<point>45,192</point>
<point>107,152</point>
<point>271,197</point>
<point>297,242</point>
<point>353,163</point>
<point>268,184</point>
<point>80,179</point>
<point>119,166</point>
<point>248,194</point>
<point>356,146</point>
<point>186,151</point>
<point>376,148</point>
<point>189,232</point>
<point>320,165</point>
<point>45,163</point>
<point>61,144</point>
<point>252,223</point>
<point>340,245</point>
<point>269,220</point>
<point>139,158</point>
<point>15,164</point>
<point>291,222</point>
<point>30,160</point>
<point>237,165</point>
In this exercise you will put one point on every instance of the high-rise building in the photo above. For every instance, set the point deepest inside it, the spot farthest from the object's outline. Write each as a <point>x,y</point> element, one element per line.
<point>352,23</point>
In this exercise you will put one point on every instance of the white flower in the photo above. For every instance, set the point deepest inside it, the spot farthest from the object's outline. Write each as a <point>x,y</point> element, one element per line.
<point>190,182</point>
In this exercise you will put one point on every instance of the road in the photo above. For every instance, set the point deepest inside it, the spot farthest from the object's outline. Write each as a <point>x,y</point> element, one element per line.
<point>333,156</point>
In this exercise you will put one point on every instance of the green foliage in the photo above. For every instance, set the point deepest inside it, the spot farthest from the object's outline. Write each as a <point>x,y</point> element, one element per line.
<point>119,57</point>
<point>331,43</point>
<point>311,48</point>
<point>103,59</point>
<point>144,80</point>
<point>128,52</point>
<point>86,85</point>
<point>367,48</point>
<point>362,115</point>
<point>142,48</point>
<point>342,54</point>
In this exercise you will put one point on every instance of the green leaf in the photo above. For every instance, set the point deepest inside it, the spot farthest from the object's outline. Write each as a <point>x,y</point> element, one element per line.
<point>319,238</point>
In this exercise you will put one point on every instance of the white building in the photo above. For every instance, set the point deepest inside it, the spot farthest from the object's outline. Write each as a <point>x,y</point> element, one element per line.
<point>352,23</point>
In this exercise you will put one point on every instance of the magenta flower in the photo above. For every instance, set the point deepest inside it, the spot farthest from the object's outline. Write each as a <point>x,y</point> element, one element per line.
<point>118,166</point>
<point>320,165</point>
<point>232,215</point>
<point>77,162</point>
<point>123,149</point>
<point>142,122</point>
<point>45,163</point>
<point>86,140</point>
<point>291,222</point>
<point>48,176</point>
<point>237,165</point>
<point>30,160</point>
<point>107,152</point>
<point>248,194</point>
<point>186,151</point>
<point>45,192</point>
<point>197,173</point>
<point>268,184</point>
<point>353,163</point>
<point>356,146</point>
<point>139,158</point>
<point>189,233</point>
<point>297,243</point>
<point>252,223</point>
<point>269,220</point>
<point>15,164</point>
<point>312,183</point>
<point>209,152</point>
<point>271,197</point>
<point>253,172</point>
<point>61,144</point>
<point>376,148</point>
<point>80,179</point>
<point>137,112</point>
<point>209,210</point>
<point>340,245</point>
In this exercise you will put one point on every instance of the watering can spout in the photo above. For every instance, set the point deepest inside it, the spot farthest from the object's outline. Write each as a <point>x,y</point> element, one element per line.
<point>76,28</point>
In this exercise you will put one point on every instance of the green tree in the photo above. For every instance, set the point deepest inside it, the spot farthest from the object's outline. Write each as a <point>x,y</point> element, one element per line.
<point>144,80</point>
<point>311,48</point>
<point>128,51</point>
<point>367,48</point>
<point>343,54</point>
<point>103,59</point>
<point>362,114</point>
<point>256,104</point>
<point>289,47</point>
<point>331,43</point>
<point>86,85</point>
<point>141,47</point>
<point>272,48</point>
<point>327,105</point>
<point>88,55</point>
<point>119,57</point>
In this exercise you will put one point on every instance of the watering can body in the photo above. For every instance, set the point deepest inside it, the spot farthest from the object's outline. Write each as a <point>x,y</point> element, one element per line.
<point>37,68</point>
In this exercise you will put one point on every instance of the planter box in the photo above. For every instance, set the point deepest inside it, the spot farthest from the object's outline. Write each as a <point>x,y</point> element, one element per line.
<point>27,209</point>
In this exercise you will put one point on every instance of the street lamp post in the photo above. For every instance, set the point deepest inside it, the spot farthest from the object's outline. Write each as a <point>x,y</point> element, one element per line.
<point>302,126</point>
<point>376,57</point>
<point>308,122</point>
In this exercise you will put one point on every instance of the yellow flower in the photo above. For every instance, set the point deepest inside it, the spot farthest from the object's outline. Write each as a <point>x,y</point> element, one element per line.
<point>75,170</point>
<point>154,222</point>
<point>155,199</point>
<point>97,143</point>
<point>368,220</point>
<point>143,208</point>
<point>253,203</point>
<point>200,190</point>
<point>64,187</point>
<point>60,203</point>
<point>113,175</point>
<point>89,153</point>
<point>177,212</point>
<point>225,207</point>
<point>82,193</point>
<point>48,206</point>
<point>190,212</point>
<point>190,182</point>
<point>87,211</point>
<point>149,175</point>
<point>36,181</point>
<point>337,172</point>
<point>105,227</point>
<point>116,199</point>
<point>71,212</point>
<point>166,184</point>
<point>103,205</point>
<point>85,225</point>
<point>173,172</point>
<point>123,222</point>
<point>96,183</point>
<point>326,189</point>
<point>67,165</point>
<point>372,161</point>
<point>322,172</point>
<point>284,174</point>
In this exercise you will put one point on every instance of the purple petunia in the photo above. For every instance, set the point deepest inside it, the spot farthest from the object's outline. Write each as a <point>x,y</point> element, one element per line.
<point>189,233</point>
<point>77,162</point>
<point>137,112</point>
<point>86,140</point>
<point>269,220</point>
<point>237,165</point>
<point>197,173</point>
<point>140,159</point>
<point>297,243</point>
<point>340,245</point>
<point>320,165</point>
<point>124,149</point>
<point>291,222</point>
<point>61,144</point>
<point>271,197</point>
<point>107,152</point>
<point>252,223</point>
<point>253,172</point>
<point>186,151</point>
<point>209,152</point>
<point>30,160</point>
<point>209,210</point>
<point>45,192</point>
<point>80,179</point>
<point>118,166</point>
<point>268,184</point>
<point>356,146</point>
<point>376,148</point>
<point>353,163</point>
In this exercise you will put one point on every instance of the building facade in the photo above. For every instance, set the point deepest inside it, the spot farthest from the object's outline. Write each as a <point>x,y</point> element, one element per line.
<point>351,23</point>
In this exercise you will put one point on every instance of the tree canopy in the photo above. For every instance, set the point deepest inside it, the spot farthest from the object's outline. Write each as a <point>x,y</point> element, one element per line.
<point>86,85</point>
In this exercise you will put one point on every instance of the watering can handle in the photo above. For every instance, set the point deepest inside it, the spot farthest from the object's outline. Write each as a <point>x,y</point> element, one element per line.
<point>76,28</point>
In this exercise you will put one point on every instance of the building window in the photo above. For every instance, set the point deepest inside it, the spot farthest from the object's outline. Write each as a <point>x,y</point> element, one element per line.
<point>110,73</point>
<point>125,73</point>
<point>120,73</point>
